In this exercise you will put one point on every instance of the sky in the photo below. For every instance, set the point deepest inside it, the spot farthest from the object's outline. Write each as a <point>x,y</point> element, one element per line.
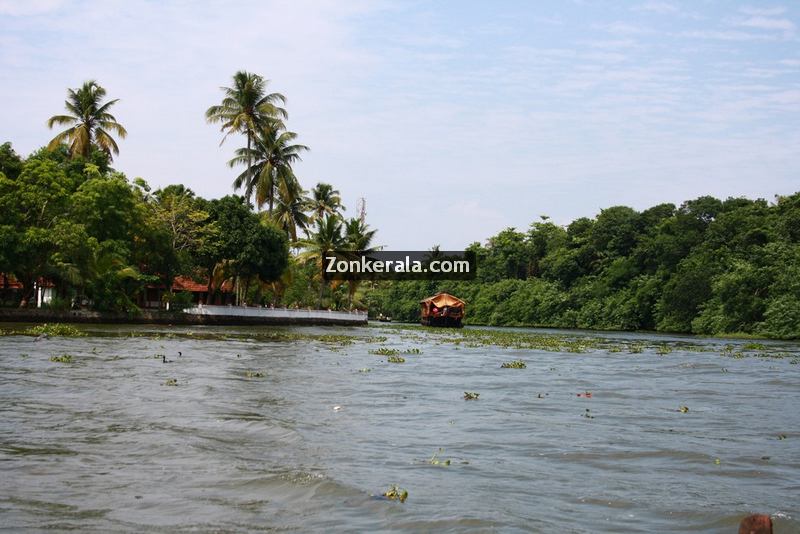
<point>454,120</point>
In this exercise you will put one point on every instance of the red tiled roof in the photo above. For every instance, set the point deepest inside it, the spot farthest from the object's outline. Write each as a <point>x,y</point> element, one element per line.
<point>184,283</point>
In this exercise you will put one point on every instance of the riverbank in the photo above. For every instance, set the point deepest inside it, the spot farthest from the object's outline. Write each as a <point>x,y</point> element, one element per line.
<point>210,315</point>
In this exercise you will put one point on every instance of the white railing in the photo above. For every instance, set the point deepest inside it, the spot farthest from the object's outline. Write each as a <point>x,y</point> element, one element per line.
<point>277,313</point>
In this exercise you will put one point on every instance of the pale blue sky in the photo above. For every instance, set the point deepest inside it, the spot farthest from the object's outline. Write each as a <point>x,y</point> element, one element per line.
<point>453,119</point>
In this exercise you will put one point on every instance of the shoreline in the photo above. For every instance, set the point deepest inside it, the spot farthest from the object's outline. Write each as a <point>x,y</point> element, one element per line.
<point>285,318</point>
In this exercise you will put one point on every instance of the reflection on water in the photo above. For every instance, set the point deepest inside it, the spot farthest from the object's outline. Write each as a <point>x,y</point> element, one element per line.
<point>248,438</point>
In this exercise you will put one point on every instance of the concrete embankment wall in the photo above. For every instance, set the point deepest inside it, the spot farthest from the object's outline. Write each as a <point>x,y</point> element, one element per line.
<point>221,316</point>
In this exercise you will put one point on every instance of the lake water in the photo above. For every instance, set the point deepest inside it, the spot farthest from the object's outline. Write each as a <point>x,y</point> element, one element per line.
<point>103,444</point>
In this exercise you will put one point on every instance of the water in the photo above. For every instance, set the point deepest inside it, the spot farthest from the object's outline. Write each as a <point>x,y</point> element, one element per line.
<point>102,444</point>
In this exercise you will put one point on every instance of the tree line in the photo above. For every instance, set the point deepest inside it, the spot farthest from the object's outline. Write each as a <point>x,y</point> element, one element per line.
<point>708,266</point>
<point>68,217</point>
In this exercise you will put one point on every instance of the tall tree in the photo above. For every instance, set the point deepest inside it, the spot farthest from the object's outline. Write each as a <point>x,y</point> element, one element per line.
<point>90,122</point>
<point>247,108</point>
<point>325,200</point>
<point>290,210</point>
<point>358,237</point>
<point>269,165</point>
<point>327,239</point>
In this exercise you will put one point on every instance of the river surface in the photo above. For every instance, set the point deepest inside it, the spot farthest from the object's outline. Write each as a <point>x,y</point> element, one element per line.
<point>305,430</point>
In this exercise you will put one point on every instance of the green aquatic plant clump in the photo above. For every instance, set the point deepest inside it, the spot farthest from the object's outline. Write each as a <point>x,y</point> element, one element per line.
<point>435,460</point>
<point>515,364</point>
<point>254,374</point>
<point>396,493</point>
<point>471,395</point>
<point>396,359</point>
<point>63,358</point>
<point>385,351</point>
<point>61,330</point>
<point>171,382</point>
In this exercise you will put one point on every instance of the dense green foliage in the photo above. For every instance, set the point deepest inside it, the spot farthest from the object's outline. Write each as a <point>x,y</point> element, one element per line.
<point>100,237</point>
<point>68,218</point>
<point>706,267</point>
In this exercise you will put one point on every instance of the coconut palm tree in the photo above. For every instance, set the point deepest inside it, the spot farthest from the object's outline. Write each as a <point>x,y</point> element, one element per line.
<point>247,108</point>
<point>89,120</point>
<point>290,209</point>
<point>358,237</point>
<point>269,165</point>
<point>325,200</point>
<point>326,240</point>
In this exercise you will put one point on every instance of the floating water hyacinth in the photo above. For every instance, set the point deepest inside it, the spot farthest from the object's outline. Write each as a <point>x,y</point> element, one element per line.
<point>683,409</point>
<point>171,382</point>
<point>63,330</point>
<point>396,359</point>
<point>64,358</point>
<point>396,494</point>
<point>470,395</point>
<point>254,374</point>
<point>515,364</point>
<point>435,460</point>
<point>385,351</point>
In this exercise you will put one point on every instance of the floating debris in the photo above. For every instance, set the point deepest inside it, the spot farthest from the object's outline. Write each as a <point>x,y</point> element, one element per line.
<point>337,408</point>
<point>587,414</point>
<point>396,494</point>
<point>364,370</point>
<point>171,382</point>
<point>717,461</point>
<point>64,358</point>
<point>515,364</point>
<point>385,351</point>
<point>781,436</point>
<point>683,409</point>
<point>585,395</point>
<point>254,374</point>
<point>435,460</point>
<point>470,395</point>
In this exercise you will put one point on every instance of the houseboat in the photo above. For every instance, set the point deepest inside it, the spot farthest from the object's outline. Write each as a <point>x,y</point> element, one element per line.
<point>442,309</point>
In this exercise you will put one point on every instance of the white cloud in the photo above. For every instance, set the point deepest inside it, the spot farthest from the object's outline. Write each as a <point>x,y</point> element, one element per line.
<point>28,7</point>
<point>763,11</point>
<point>767,23</point>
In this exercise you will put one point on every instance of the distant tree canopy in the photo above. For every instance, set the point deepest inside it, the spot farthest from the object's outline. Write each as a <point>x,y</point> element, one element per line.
<point>87,228</point>
<point>706,267</point>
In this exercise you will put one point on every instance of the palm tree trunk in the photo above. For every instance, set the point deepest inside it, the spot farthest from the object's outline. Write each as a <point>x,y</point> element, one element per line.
<point>249,158</point>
